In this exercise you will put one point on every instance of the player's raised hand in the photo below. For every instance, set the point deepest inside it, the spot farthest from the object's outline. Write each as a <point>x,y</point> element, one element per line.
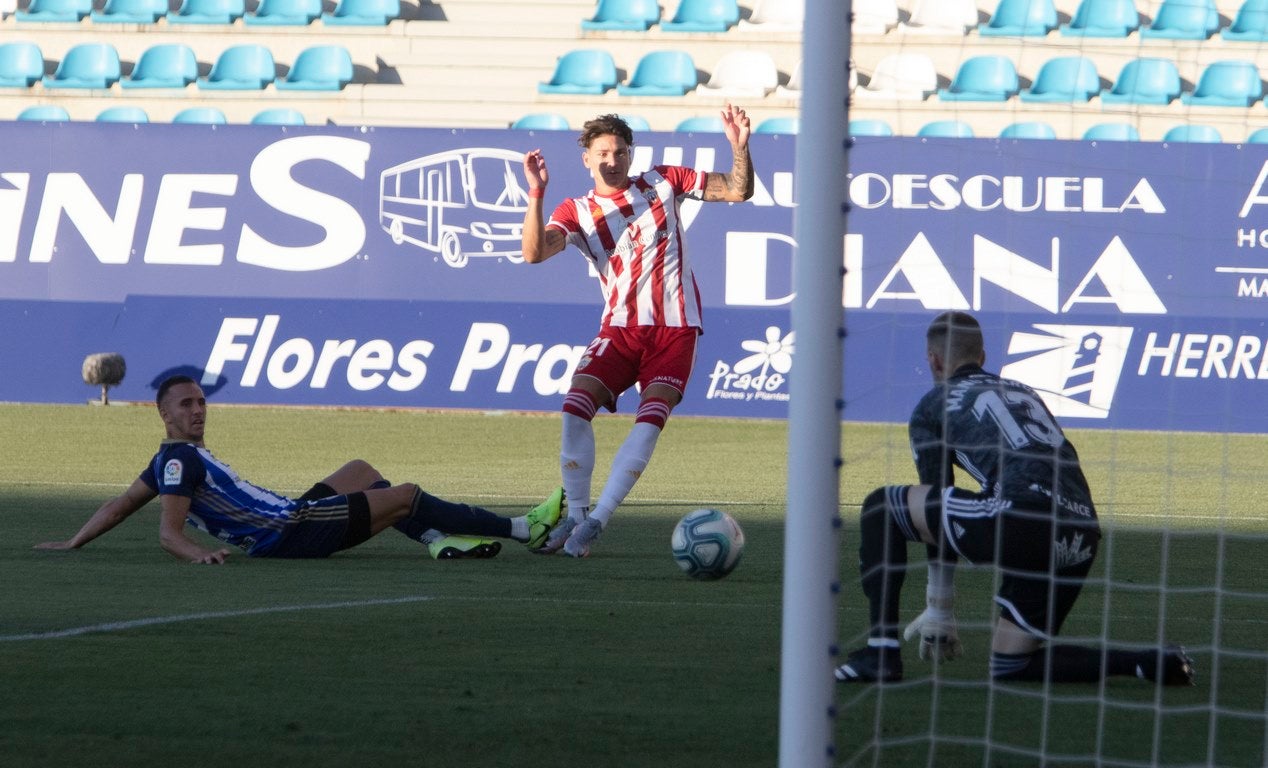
<point>939,636</point>
<point>736,124</point>
<point>535,172</point>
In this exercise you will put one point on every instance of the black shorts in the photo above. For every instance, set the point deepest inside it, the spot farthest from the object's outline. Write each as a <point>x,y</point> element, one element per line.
<point>322,526</point>
<point>1043,557</point>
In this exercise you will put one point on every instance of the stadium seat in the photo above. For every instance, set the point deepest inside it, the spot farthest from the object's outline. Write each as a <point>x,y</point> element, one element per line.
<point>1145,81</point>
<point>870,128</point>
<point>771,15</point>
<point>787,125</point>
<point>1111,132</point>
<point>284,13</point>
<point>21,64</point>
<point>541,121</point>
<point>703,16</point>
<point>942,17</point>
<point>946,129</point>
<point>661,73</point>
<point>131,12</point>
<point>874,17</point>
<point>902,76</point>
<point>1028,130</point>
<point>1196,134</point>
<point>744,74</point>
<point>1227,84</point>
<point>207,12</point>
<point>363,13</point>
<point>1250,24</point>
<point>701,125</point>
<point>1021,18</point>
<point>123,115</point>
<point>318,68</point>
<point>792,89</point>
<point>1064,79</point>
<point>86,65</point>
<point>629,15</point>
<point>590,72</point>
<point>201,116</point>
<point>168,65</point>
<point>279,116</point>
<point>983,78</point>
<point>1259,136</point>
<point>47,113</point>
<point>55,10</point>
<point>1183,20</point>
<point>8,8</point>
<point>1103,18</point>
<point>637,124</point>
<point>246,67</point>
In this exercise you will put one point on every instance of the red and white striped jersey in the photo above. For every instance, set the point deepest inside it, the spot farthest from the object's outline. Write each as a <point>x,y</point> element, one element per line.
<point>635,242</point>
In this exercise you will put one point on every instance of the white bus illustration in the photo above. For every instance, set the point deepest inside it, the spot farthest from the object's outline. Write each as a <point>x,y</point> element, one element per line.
<point>459,203</point>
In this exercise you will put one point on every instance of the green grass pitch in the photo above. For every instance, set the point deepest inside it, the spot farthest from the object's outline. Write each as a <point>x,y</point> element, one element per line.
<point>380,656</point>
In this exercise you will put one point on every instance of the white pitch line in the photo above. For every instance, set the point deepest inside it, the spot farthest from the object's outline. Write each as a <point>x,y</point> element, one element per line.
<point>120,626</point>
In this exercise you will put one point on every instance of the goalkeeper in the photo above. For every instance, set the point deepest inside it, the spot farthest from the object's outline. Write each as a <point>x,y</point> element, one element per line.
<point>1033,518</point>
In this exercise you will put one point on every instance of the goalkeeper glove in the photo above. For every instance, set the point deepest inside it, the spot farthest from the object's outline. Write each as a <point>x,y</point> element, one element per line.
<point>936,627</point>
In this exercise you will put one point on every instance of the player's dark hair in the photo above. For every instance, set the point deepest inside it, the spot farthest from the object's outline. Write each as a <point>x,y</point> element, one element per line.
<point>605,125</point>
<point>168,383</point>
<point>957,335</point>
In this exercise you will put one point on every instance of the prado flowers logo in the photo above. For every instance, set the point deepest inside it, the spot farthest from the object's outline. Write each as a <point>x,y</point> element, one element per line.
<point>1075,368</point>
<point>760,376</point>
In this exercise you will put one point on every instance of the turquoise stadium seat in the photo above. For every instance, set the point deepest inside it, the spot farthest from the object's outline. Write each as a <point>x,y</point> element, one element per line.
<point>319,68</point>
<point>279,116</point>
<point>167,65</point>
<point>363,13</point>
<point>590,72</point>
<point>1028,130</point>
<point>789,125</point>
<point>47,113</point>
<point>1021,18</point>
<point>1064,79</point>
<point>284,13</point>
<point>1227,84</point>
<point>701,125</point>
<point>703,16</point>
<point>1196,134</point>
<point>21,64</point>
<point>870,128</point>
<point>630,15</point>
<point>86,65</point>
<point>637,124</point>
<point>946,129</point>
<point>661,73</point>
<point>1184,20</point>
<point>200,116</point>
<point>1145,81</point>
<point>1111,132</point>
<point>247,67</point>
<point>1250,24</point>
<point>1258,137</point>
<point>541,121</point>
<point>207,12</point>
<point>123,115</point>
<point>983,78</point>
<point>1103,18</point>
<point>55,10</point>
<point>131,12</point>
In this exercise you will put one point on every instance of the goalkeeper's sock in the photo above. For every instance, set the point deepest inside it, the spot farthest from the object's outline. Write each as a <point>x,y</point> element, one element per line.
<point>1066,664</point>
<point>885,527</point>
<point>429,511</point>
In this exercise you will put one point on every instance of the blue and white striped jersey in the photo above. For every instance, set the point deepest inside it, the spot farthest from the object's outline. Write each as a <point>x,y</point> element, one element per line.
<point>221,503</point>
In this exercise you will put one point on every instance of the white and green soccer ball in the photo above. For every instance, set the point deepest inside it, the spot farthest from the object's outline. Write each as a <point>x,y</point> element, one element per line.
<point>707,544</point>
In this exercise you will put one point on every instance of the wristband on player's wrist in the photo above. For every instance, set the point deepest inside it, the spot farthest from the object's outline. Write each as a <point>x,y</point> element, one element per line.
<point>537,192</point>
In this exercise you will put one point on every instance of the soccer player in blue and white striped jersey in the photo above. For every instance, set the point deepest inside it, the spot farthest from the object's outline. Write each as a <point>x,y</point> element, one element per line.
<point>341,511</point>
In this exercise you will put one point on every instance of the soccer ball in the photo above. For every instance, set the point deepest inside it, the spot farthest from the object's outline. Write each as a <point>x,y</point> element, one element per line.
<point>707,544</point>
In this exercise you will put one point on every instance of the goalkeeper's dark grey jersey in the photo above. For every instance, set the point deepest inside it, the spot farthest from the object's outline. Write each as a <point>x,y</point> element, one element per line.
<point>1002,434</point>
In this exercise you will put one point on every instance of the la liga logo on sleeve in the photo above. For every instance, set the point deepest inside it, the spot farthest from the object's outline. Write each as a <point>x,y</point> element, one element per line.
<point>172,472</point>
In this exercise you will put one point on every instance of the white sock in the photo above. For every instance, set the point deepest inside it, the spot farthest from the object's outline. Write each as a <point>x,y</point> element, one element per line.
<point>576,464</point>
<point>430,535</point>
<point>627,467</point>
<point>519,528</point>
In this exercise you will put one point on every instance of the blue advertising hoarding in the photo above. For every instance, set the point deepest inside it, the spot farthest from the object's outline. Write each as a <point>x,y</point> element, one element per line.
<point>380,267</point>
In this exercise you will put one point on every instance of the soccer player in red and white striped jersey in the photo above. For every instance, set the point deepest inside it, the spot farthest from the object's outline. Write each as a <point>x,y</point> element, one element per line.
<point>630,229</point>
